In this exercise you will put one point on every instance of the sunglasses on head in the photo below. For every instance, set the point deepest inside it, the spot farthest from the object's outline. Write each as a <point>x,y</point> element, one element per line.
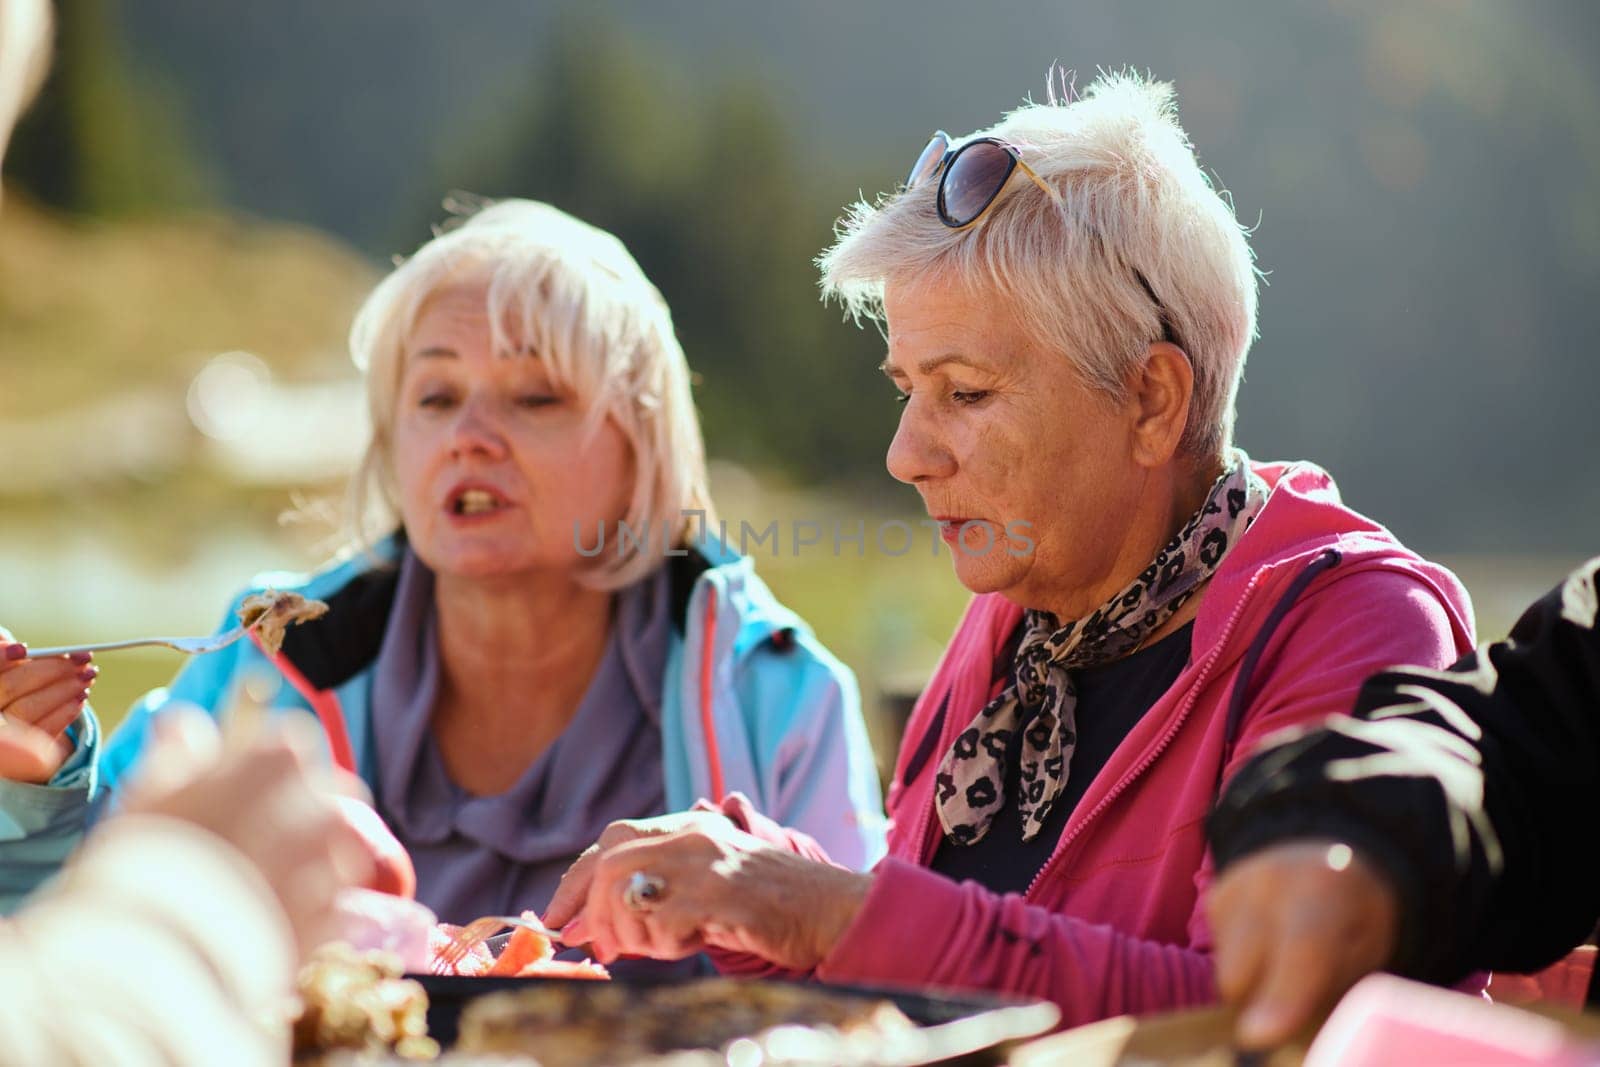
<point>971,176</point>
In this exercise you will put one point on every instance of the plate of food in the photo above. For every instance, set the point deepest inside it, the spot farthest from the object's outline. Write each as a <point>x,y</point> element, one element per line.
<point>726,1021</point>
<point>358,1007</point>
<point>510,999</point>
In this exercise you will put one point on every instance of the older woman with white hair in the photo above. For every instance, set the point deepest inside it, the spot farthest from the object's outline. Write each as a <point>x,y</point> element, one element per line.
<point>540,644</point>
<point>1068,305</point>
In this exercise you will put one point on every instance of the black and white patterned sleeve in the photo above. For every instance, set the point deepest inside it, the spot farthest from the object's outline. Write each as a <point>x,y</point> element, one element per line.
<point>1477,789</point>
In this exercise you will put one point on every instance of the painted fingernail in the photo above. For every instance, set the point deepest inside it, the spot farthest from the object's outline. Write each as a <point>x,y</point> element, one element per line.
<point>79,657</point>
<point>83,696</point>
<point>88,674</point>
<point>17,651</point>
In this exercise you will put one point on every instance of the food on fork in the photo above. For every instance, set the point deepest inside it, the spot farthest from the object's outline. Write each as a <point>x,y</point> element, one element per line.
<point>476,963</point>
<point>528,954</point>
<point>525,949</point>
<point>276,610</point>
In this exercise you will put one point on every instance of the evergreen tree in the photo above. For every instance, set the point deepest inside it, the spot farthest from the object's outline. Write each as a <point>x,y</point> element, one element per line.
<point>103,139</point>
<point>711,196</point>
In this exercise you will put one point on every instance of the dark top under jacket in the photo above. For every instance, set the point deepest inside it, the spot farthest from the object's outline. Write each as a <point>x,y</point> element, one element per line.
<point>1511,882</point>
<point>1111,699</point>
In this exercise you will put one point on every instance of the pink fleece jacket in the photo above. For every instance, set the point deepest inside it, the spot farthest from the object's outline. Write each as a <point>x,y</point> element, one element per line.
<point>1113,923</point>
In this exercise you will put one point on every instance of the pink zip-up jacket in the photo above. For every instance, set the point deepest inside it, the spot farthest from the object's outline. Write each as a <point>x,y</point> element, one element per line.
<point>1310,602</point>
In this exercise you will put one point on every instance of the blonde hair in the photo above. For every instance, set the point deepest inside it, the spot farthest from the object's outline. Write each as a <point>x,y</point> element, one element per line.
<point>1141,246</point>
<point>24,56</point>
<point>574,295</point>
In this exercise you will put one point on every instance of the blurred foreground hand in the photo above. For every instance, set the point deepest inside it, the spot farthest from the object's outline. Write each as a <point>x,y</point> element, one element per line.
<point>1295,925</point>
<point>267,795</point>
<point>173,935</point>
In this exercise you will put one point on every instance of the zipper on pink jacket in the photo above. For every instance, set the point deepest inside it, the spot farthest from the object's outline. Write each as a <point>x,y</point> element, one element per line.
<point>1161,744</point>
<point>925,819</point>
<point>1324,561</point>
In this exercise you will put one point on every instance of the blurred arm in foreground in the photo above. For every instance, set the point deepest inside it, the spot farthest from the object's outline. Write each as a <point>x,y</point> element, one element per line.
<point>176,931</point>
<point>1430,833</point>
<point>173,937</point>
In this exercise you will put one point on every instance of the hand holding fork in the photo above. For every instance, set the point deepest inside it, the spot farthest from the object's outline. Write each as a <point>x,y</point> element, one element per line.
<point>193,646</point>
<point>39,702</point>
<point>43,690</point>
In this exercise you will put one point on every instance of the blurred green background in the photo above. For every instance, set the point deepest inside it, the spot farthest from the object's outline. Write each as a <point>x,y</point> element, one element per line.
<point>207,188</point>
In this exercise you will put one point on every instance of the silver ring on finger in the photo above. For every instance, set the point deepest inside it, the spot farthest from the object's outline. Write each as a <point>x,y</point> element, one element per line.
<point>643,892</point>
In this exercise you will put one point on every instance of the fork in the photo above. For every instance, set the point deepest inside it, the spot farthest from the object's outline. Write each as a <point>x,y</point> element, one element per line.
<point>192,646</point>
<point>477,932</point>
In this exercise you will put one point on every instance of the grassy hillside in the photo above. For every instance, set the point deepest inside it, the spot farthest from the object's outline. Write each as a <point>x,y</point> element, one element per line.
<point>92,309</point>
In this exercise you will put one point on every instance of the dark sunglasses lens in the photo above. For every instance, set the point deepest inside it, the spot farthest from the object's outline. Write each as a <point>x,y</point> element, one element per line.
<point>972,180</point>
<point>928,161</point>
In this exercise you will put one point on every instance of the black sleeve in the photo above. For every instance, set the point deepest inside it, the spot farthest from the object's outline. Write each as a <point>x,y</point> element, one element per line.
<point>1476,789</point>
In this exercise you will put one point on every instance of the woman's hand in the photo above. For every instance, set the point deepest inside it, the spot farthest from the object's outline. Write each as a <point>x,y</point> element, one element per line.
<point>268,796</point>
<point>39,699</point>
<point>571,895</point>
<point>714,886</point>
<point>1295,925</point>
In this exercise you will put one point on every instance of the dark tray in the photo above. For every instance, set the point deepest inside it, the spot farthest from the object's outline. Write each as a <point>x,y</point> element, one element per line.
<point>957,1027</point>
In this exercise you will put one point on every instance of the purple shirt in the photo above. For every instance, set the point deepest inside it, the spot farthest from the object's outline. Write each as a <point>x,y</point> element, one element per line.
<point>501,854</point>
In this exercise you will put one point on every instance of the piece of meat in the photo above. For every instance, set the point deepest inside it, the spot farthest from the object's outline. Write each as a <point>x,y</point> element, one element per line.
<point>527,954</point>
<point>527,948</point>
<point>275,610</point>
<point>475,963</point>
<point>358,1001</point>
<point>565,969</point>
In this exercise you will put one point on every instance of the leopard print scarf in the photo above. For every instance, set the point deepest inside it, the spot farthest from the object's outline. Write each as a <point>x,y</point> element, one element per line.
<point>971,781</point>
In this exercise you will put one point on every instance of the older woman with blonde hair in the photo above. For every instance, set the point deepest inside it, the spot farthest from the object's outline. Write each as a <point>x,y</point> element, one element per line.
<point>539,644</point>
<point>1068,305</point>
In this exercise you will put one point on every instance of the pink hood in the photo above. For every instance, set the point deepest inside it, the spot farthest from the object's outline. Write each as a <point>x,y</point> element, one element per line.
<point>1113,923</point>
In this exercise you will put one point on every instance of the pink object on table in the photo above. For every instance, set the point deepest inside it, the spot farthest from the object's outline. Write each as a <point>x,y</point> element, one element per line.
<point>1388,1022</point>
<point>368,919</point>
<point>1565,982</point>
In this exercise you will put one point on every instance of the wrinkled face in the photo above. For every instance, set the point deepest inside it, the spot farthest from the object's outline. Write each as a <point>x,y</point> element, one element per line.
<point>1001,434</point>
<point>495,465</point>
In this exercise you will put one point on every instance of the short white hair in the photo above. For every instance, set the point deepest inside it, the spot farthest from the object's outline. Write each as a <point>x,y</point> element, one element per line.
<point>24,54</point>
<point>574,295</point>
<point>1138,223</point>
